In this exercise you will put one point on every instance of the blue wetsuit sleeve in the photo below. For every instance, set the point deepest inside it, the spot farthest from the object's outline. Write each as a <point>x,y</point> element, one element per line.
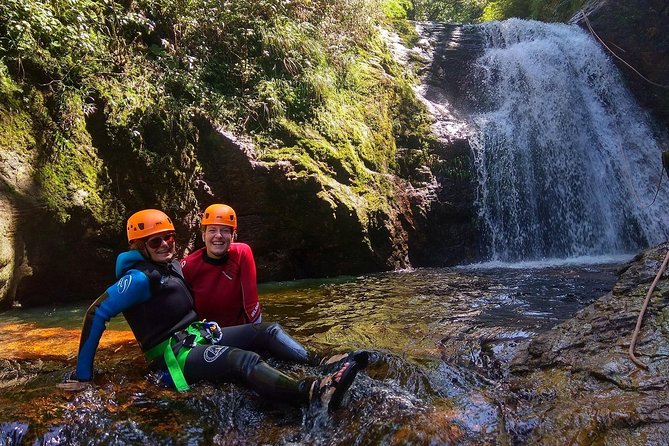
<point>129,290</point>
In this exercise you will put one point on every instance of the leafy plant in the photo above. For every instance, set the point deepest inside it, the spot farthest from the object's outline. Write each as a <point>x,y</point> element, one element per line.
<point>309,75</point>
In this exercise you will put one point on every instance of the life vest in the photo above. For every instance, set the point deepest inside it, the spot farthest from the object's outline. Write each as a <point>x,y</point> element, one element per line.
<point>166,319</point>
<point>169,309</point>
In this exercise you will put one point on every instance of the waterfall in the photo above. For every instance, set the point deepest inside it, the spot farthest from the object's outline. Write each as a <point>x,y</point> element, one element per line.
<point>567,162</point>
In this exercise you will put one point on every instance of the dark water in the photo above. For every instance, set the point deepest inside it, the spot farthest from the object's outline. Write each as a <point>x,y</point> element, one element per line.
<point>440,341</point>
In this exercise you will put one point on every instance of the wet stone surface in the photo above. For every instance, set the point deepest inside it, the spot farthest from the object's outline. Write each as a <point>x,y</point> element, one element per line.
<point>460,356</point>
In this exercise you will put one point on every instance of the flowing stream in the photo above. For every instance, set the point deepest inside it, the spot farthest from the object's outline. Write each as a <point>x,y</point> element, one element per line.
<point>439,339</point>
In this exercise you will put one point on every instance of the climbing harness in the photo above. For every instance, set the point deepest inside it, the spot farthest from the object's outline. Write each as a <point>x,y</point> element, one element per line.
<point>634,359</point>
<point>197,333</point>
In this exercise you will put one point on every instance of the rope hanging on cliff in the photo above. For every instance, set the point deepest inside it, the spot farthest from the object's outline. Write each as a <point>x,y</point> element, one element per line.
<point>592,31</point>
<point>634,359</point>
<point>657,192</point>
<point>659,185</point>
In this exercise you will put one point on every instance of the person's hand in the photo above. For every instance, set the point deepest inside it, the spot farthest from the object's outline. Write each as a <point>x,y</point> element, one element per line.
<point>72,385</point>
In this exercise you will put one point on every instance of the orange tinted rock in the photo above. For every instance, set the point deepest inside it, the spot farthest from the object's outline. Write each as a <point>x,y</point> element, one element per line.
<point>27,341</point>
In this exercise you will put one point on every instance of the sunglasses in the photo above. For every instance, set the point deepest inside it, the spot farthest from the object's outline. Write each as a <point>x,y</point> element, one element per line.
<point>156,242</point>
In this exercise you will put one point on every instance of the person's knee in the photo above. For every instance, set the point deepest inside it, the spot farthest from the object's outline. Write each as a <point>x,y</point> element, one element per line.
<point>272,329</point>
<point>243,361</point>
<point>267,326</point>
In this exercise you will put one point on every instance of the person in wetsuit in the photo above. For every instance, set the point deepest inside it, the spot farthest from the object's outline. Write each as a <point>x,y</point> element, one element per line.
<point>222,274</point>
<point>156,302</point>
<point>222,277</point>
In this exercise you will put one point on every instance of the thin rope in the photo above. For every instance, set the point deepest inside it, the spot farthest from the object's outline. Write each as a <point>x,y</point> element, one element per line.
<point>629,178</point>
<point>587,21</point>
<point>632,356</point>
<point>657,192</point>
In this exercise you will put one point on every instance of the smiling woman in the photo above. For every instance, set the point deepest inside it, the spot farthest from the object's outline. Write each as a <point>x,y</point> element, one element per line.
<point>222,275</point>
<point>218,239</point>
<point>152,233</point>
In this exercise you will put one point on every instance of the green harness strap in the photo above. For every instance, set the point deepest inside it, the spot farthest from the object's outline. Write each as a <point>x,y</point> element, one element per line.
<point>175,363</point>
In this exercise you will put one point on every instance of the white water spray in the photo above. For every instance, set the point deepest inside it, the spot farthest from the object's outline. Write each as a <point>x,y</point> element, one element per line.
<point>567,162</point>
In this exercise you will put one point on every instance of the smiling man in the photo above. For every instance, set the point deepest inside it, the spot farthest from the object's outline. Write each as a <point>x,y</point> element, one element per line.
<point>223,273</point>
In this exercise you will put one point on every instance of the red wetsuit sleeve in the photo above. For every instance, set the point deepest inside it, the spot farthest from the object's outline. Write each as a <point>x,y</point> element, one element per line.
<point>195,272</point>
<point>249,284</point>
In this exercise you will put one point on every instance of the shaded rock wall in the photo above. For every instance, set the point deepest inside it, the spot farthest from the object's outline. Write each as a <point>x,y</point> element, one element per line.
<point>17,156</point>
<point>11,248</point>
<point>298,226</point>
<point>635,31</point>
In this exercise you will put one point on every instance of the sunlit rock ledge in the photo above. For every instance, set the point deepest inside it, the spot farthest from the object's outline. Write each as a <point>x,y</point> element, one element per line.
<point>577,383</point>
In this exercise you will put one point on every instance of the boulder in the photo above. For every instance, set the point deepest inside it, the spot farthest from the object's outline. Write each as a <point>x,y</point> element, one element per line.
<point>576,384</point>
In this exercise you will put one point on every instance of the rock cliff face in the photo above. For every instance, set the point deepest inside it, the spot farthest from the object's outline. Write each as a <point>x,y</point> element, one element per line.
<point>635,32</point>
<point>295,223</point>
<point>449,234</point>
<point>299,225</point>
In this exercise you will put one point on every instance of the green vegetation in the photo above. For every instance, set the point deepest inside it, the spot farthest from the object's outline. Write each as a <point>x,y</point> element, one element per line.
<point>309,80</point>
<point>474,11</point>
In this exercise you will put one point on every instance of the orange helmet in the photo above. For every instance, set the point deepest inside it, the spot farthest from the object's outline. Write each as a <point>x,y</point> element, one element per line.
<point>148,222</point>
<point>219,214</point>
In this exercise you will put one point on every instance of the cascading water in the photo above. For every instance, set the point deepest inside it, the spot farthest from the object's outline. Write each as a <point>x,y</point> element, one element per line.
<point>567,163</point>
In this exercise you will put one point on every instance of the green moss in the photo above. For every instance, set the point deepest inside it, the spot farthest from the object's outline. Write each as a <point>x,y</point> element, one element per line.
<point>70,179</point>
<point>503,9</point>
<point>349,143</point>
<point>18,143</point>
<point>311,81</point>
<point>16,130</point>
<point>555,10</point>
<point>396,9</point>
<point>546,10</point>
<point>9,89</point>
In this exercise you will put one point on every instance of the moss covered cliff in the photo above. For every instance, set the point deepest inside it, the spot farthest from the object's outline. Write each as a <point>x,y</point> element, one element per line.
<point>110,106</point>
<point>295,113</point>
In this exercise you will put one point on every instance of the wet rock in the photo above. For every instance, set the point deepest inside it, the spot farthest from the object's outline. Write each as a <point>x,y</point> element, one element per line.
<point>633,32</point>
<point>597,393</point>
<point>436,427</point>
<point>12,433</point>
<point>446,230</point>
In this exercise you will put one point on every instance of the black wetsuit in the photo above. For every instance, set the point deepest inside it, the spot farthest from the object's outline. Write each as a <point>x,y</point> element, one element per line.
<point>158,306</point>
